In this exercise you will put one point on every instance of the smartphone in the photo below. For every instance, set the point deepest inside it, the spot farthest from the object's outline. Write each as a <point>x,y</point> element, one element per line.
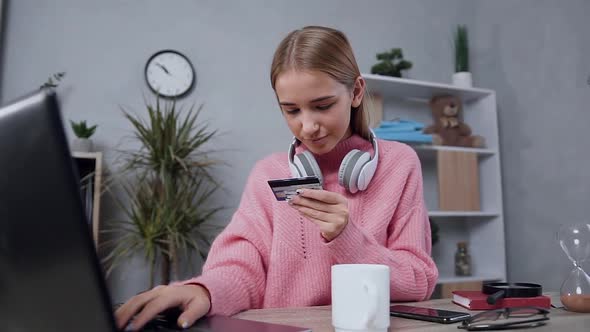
<point>428,314</point>
<point>284,189</point>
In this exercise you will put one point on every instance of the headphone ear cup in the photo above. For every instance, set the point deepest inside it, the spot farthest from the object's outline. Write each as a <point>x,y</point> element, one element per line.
<point>307,165</point>
<point>365,175</point>
<point>350,168</point>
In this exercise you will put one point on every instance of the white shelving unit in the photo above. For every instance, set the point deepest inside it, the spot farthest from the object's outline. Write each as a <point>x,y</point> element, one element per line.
<point>483,230</point>
<point>90,164</point>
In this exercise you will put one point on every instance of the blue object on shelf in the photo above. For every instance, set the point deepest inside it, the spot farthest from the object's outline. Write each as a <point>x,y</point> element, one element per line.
<point>402,130</point>
<point>401,125</point>
<point>405,137</point>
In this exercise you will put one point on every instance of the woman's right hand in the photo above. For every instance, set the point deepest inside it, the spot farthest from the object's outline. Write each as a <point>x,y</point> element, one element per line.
<point>194,302</point>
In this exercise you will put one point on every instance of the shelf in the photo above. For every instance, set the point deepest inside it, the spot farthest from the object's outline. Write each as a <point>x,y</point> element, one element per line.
<point>89,167</point>
<point>404,88</point>
<point>455,279</point>
<point>432,148</point>
<point>86,155</point>
<point>429,152</point>
<point>482,228</point>
<point>455,214</point>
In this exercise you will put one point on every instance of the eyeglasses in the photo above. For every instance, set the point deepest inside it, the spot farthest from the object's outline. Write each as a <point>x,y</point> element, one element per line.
<point>518,317</point>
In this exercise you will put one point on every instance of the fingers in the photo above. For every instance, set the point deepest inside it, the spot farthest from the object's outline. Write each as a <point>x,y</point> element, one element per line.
<point>141,309</point>
<point>311,208</point>
<point>130,308</point>
<point>312,204</point>
<point>327,222</point>
<point>316,214</point>
<point>329,231</point>
<point>195,310</point>
<point>321,200</point>
<point>152,309</point>
<point>328,210</point>
<point>325,196</point>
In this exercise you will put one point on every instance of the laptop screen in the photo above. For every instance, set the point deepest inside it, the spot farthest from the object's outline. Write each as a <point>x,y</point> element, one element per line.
<point>50,277</point>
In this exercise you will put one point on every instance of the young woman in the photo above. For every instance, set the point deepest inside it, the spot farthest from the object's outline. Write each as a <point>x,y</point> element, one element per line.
<point>371,208</point>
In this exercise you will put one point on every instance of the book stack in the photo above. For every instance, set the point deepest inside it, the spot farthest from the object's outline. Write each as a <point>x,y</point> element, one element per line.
<point>476,300</point>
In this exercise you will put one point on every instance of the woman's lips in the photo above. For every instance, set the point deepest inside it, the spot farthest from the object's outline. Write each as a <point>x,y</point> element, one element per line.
<point>319,141</point>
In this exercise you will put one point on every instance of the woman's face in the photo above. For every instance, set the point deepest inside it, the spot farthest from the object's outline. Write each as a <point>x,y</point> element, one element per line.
<point>317,107</point>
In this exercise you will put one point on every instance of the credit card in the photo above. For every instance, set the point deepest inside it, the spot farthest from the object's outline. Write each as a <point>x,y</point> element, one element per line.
<point>287,188</point>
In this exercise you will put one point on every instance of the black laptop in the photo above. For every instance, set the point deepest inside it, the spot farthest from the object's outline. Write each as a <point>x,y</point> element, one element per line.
<point>50,276</point>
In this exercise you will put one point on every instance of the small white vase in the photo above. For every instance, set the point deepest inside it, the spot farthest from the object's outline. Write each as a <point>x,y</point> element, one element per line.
<point>82,145</point>
<point>463,79</point>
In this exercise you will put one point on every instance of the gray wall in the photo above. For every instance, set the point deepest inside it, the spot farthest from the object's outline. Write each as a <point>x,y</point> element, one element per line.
<point>103,47</point>
<point>534,53</point>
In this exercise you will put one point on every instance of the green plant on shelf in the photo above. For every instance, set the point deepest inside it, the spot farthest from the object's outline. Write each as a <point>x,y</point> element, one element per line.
<point>81,129</point>
<point>391,63</point>
<point>461,44</point>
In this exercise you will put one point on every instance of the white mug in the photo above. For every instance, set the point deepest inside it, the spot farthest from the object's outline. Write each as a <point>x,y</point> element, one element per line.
<point>360,297</point>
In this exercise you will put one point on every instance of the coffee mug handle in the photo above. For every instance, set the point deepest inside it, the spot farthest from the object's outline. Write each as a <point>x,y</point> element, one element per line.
<point>373,300</point>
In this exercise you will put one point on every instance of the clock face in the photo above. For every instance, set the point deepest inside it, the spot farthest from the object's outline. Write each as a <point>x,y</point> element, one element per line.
<point>169,73</point>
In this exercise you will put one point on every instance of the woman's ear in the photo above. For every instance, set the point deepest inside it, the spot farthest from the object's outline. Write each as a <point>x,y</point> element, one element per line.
<point>358,91</point>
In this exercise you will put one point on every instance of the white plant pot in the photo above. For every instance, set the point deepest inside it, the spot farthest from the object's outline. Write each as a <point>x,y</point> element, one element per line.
<point>82,145</point>
<point>463,79</point>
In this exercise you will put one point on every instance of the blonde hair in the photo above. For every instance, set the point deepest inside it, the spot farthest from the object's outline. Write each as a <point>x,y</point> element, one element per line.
<point>327,50</point>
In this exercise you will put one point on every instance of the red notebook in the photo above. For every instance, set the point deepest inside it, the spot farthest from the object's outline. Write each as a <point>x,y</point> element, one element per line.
<point>476,300</point>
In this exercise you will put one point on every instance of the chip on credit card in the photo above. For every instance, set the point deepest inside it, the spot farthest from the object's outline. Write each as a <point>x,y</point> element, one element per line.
<point>286,188</point>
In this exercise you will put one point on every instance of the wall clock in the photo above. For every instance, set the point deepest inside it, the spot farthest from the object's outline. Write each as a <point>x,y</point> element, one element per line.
<point>169,73</point>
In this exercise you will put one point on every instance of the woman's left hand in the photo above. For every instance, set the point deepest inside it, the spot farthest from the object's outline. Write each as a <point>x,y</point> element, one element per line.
<point>326,209</point>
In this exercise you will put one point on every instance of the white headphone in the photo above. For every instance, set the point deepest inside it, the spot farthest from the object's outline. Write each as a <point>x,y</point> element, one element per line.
<point>355,173</point>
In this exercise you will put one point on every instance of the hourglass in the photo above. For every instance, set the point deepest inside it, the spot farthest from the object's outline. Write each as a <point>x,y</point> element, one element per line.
<point>575,290</point>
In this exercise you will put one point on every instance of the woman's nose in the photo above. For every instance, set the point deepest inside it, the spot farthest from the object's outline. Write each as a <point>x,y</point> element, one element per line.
<point>309,124</point>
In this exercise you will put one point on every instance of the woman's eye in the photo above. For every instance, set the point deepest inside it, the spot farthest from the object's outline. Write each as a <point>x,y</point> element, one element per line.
<point>292,111</point>
<point>324,107</point>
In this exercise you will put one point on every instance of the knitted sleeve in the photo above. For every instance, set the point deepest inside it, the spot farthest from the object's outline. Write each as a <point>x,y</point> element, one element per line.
<point>408,245</point>
<point>235,270</point>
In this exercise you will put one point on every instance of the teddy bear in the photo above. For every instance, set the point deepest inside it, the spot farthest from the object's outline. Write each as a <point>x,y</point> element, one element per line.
<point>448,127</point>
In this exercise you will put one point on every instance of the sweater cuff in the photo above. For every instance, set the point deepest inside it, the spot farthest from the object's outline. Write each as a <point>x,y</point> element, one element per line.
<point>348,246</point>
<point>218,292</point>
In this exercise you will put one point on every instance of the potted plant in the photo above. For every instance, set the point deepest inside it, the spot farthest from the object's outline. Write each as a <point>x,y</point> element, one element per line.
<point>462,76</point>
<point>166,201</point>
<point>82,142</point>
<point>391,63</point>
<point>53,81</point>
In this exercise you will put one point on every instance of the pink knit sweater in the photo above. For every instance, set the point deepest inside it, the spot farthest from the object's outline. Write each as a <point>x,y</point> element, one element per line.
<point>270,256</point>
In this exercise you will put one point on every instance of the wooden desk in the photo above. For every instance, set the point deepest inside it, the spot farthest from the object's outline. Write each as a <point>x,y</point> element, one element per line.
<point>319,319</point>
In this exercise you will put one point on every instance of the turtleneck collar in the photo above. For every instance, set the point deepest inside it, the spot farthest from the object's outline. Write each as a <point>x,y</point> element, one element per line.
<point>332,159</point>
